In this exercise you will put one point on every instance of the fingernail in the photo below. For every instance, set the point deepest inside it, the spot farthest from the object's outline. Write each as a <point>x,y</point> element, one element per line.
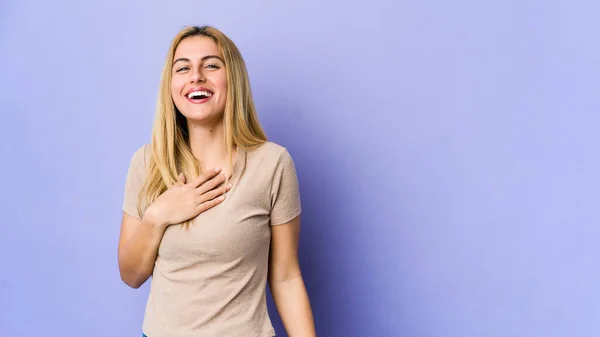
<point>222,197</point>
<point>229,186</point>
<point>218,169</point>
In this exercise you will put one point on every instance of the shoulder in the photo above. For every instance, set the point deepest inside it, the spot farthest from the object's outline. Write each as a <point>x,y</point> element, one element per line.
<point>141,156</point>
<point>270,152</point>
<point>269,159</point>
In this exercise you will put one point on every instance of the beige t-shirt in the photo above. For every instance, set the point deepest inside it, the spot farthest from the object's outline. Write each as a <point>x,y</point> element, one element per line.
<point>210,280</point>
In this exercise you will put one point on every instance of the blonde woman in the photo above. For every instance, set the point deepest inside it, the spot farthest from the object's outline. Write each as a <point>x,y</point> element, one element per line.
<point>211,208</point>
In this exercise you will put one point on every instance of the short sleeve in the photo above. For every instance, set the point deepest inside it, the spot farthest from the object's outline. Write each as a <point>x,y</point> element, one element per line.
<point>285,193</point>
<point>134,182</point>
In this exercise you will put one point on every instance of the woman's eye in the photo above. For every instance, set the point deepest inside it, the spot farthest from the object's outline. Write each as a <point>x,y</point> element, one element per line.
<point>182,68</point>
<point>212,66</point>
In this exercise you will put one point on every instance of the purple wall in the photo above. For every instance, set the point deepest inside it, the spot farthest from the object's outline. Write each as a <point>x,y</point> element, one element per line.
<point>447,153</point>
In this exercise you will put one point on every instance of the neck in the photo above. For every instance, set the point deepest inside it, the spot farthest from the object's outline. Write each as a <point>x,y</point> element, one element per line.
<point>208,145</point>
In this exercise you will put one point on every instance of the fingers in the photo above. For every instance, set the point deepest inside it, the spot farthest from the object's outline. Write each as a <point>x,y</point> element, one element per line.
<point>214,193</point>
<point>204,177</point>
<point>210,184</point>
<point>211,190</point>
<point>203,207</point>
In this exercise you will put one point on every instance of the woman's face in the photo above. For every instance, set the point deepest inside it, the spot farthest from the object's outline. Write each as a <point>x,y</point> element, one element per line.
<point>199,80</point>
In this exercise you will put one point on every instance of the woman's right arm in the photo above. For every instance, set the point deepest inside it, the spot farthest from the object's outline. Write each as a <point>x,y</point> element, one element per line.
<point>138,246</point>
<point>139,239</point>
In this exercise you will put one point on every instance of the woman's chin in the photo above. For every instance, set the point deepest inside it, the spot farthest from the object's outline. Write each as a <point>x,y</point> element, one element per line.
<point>203,118</point>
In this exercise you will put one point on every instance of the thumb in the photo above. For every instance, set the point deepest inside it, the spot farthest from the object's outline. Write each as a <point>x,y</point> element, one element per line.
<point>180,180</point>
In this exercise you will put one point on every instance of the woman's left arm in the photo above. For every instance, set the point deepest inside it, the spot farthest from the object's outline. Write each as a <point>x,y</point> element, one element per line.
<point>286,282</point>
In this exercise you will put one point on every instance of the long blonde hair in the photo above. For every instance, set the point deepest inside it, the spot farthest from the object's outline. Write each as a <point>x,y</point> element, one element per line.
<point>171,152</point>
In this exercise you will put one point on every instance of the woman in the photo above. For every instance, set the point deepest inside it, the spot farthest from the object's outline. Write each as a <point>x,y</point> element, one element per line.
<point>211,208</point>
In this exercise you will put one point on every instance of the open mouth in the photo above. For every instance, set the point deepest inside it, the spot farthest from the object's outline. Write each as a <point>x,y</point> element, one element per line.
<point>199,96</point>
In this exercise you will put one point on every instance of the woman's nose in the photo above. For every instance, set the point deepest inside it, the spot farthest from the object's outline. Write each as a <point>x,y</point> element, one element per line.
<point>196,76</point>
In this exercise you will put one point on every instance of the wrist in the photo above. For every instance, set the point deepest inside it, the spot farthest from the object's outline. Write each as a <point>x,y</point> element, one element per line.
<point>152,219</point>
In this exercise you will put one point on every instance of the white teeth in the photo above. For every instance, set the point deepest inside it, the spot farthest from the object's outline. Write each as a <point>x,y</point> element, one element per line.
<point>197,94</point>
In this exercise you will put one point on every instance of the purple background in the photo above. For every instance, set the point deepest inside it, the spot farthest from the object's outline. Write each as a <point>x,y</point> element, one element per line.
<point>447,153</point>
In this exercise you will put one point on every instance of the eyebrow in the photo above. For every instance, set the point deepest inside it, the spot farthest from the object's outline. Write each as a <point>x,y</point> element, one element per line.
<point>185,59</point>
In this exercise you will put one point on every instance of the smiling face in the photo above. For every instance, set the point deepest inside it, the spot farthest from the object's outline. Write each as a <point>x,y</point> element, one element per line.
<point>199,80</point>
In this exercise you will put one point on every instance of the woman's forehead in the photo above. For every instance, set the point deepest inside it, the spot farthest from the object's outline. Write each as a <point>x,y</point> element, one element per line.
<point>197,46</point>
